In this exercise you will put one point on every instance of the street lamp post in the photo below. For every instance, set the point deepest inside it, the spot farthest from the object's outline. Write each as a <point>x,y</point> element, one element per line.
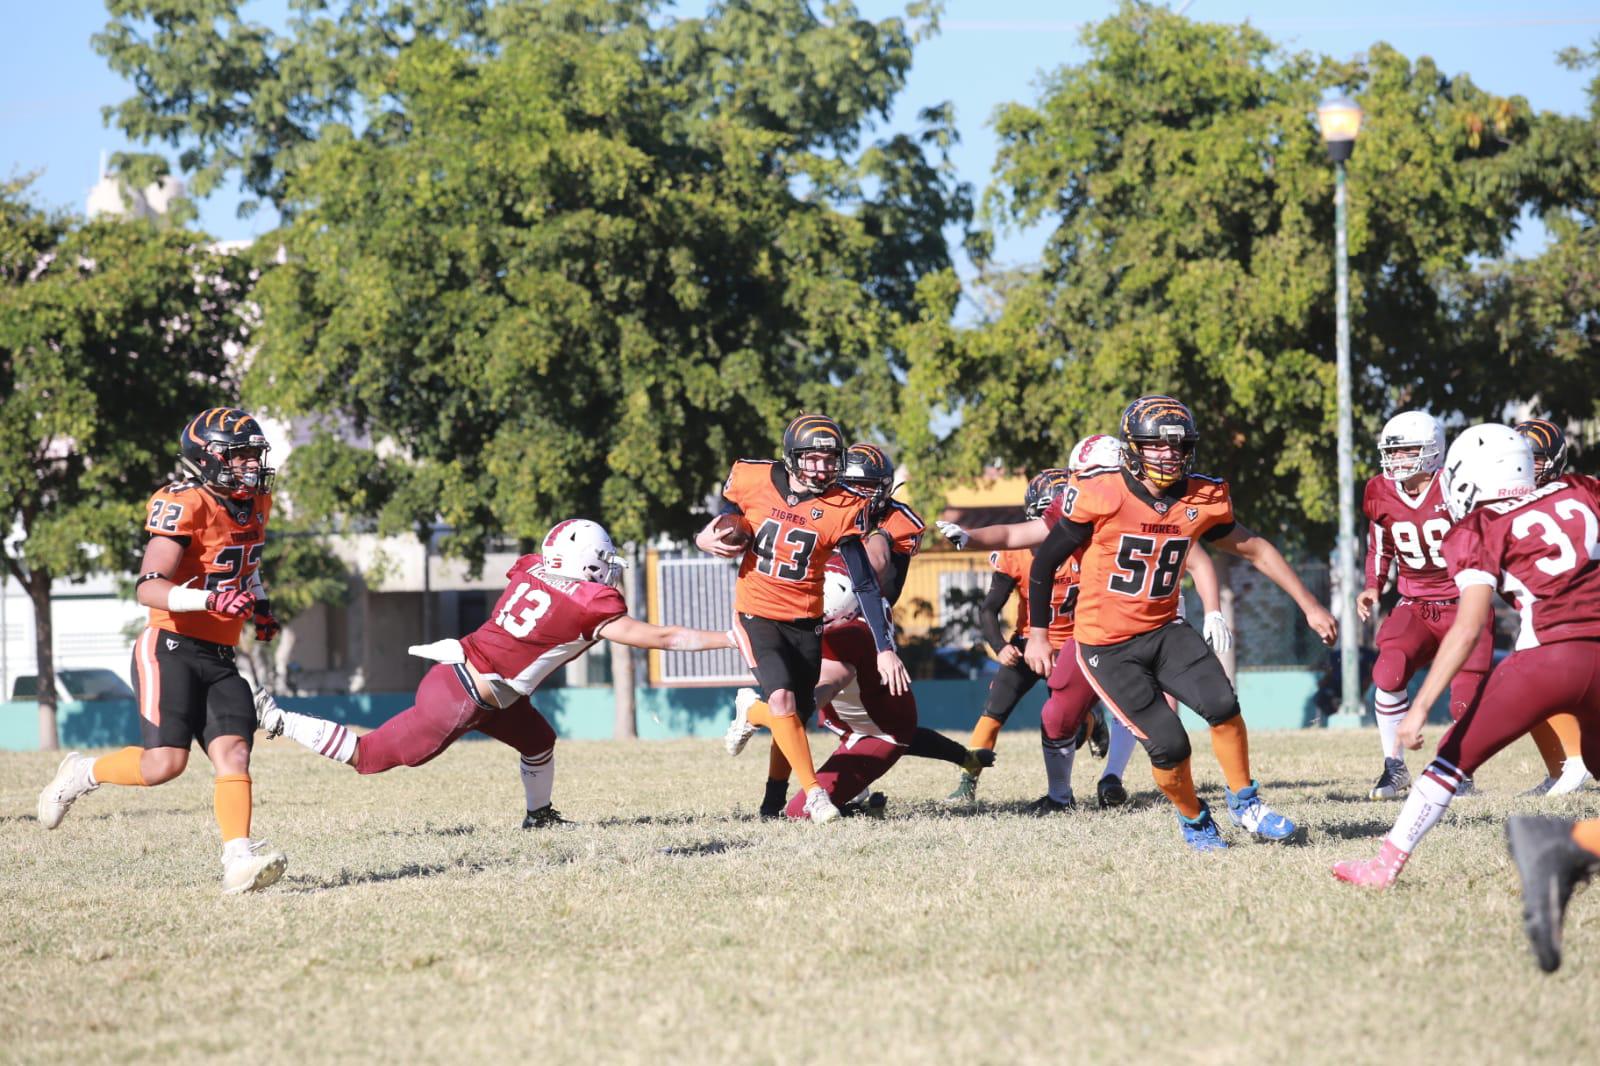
<point>1340,122</point>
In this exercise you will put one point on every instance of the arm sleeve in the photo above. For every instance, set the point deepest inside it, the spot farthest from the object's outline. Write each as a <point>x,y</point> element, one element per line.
<point>1061,544</point>
<point>865,583</point>
<point>1000,588</point>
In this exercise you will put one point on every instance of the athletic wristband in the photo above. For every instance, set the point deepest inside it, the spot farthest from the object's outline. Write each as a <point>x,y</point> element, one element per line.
<point>182,599</point>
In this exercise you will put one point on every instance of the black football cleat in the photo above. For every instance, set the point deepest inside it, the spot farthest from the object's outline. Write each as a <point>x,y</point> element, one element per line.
<point>1551,864</point>
<point>546,817</point>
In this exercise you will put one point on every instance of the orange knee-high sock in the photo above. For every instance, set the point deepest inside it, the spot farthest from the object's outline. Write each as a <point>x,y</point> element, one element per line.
<point>1550,747</point>
<point>1178,786</point>
<point>789,736</point>
<point>1231,743</point>
<point>1587,835</point>
<point>121,767</point>
<point>760,713</point>
<point>985,733</point>
<point>231,800</point>
<point>1566,728</point>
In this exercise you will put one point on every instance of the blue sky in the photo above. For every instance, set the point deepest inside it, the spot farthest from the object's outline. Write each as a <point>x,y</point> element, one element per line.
<point>52,84</point>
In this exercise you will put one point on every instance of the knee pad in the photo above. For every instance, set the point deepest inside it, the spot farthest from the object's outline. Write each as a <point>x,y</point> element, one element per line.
<point>1167,746</point>
<point>1389,672</point>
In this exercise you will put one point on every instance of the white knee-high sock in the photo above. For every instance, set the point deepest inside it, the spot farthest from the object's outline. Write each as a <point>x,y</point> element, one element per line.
<point>1390,708</point>
<point>1058,767</point>
<point>1430,797</point>
<point>328,739</point>
<point>539,778</point>
<point>1121,749</point>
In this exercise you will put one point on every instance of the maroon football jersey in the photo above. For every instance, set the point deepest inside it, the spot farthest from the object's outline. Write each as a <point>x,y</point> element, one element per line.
<point>865,706</point>
<point>540,623</point>
<point>1542,553</point>
<point>1410,530</point>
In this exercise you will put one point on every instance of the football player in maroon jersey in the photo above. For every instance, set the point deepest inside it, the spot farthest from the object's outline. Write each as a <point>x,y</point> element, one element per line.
<point>1540,548</point>
<point>1408,520</point>
<point>557,605</point>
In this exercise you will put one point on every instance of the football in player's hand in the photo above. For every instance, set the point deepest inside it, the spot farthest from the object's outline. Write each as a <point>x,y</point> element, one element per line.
<point>731,529</point>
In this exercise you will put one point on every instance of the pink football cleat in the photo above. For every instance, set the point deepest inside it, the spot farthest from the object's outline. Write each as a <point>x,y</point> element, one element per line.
<point>1373,873</point>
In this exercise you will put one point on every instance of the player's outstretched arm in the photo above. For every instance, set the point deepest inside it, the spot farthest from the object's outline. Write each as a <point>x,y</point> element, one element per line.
<point>1261,554</point>
<point>1472,617</point>
<point>637,634</point>
<point>991,538</point>
<point>1208,588</point>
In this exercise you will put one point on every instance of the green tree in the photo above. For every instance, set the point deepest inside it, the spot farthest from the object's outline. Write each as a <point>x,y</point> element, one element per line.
<point>112,335</point>
<point>300,571</point>
<point>574,256</point>
<point>1190,209</point>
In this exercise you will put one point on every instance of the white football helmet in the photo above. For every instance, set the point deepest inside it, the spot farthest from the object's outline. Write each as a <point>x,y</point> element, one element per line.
<point>582,550</point>
<point>1487,462</point>
<point>1099,451</point>
<point>1406,430</point>
<point>838,593</point>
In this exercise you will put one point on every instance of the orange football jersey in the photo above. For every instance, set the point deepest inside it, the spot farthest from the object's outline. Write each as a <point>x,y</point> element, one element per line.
<point>1015,563</point>
<point>780,576</point>
<point>1133,564</point>
<point>223,548</point>
<point>903,527</point>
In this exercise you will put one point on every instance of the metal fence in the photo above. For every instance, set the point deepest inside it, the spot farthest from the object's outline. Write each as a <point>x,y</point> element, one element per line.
<point>1269,629</point>
<point>692,589</point>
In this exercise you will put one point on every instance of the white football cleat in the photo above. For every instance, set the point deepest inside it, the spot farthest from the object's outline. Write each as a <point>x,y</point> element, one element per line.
<point>819,808</point>
<point>740,730</point>
<point>251,867</point>
<point>1574,775</point>
<point>71,781</point>
<point>269,716</point>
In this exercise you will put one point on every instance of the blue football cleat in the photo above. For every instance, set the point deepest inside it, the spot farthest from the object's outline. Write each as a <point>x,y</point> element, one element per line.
<point>1246,811</point>
<point>1201,832</point>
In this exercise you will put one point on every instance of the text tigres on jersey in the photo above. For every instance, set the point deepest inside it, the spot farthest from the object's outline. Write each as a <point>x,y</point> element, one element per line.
<point>222,542</point>
<point>1015,563</point>
<point>1133,564</point>
<point>1410,531</point>
<point>1542,553</point>
<point>780,575</point>
<point>541,622</point>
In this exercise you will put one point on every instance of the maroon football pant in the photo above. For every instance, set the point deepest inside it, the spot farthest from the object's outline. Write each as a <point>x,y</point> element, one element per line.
<point>1525,689</point>
<point>443,714</point>
<point>857,762</point>
<point>1409,639</point>
<point>1071,696</point>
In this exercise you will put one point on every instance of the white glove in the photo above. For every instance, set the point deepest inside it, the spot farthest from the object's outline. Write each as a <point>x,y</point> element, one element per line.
<point>954,534</point>
<point>1218,635</point>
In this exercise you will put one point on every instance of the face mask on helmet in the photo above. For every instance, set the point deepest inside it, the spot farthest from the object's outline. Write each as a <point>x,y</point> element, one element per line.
<point>581,550</point>
<point>1159,438</point>
<point>1486,463</point>
<point>838,593</point>
<point>1042,491</point>
<point>868,472</point>
<point>813,450</point>
<point>1549,444</point>
<point>1412,443</point>
<point>225,448</point>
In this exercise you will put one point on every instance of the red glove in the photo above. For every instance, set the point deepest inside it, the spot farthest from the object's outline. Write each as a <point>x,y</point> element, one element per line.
<point>236,603</point>
<point>267,626</point>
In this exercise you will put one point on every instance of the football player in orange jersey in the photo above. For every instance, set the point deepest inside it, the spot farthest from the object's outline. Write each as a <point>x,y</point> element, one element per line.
<point>1135,526</point>
<point>1558,737</point>
<point>1071,697</point>
<point>798,515</point>
<point>200,580</point>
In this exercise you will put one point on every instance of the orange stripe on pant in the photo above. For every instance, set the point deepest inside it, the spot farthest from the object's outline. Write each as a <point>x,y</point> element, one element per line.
<point>149,676</point>
<point>1109,702</point>
<point>743,640</point>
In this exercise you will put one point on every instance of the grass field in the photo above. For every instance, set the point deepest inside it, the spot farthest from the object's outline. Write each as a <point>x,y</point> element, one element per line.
<point>417,922</point>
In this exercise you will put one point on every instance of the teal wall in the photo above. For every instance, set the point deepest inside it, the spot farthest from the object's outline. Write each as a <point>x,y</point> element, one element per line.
<point>1272,699</point>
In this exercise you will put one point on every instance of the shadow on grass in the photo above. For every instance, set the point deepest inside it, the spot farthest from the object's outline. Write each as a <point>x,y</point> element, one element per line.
<point>709,847</point>
<point>350,878</point>
<point>649,819</point>
<point>433,830</point>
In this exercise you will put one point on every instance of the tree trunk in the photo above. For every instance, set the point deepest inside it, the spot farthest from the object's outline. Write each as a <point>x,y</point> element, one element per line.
<point>38,585</point>
<point>1225,598</point>
<point>626,724</point>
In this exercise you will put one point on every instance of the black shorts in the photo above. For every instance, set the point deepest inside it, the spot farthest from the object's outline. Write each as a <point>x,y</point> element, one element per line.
<point>784,655</point>
<point>189,690</point>
<point>1010,684</point>
<point>1133,677</point>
